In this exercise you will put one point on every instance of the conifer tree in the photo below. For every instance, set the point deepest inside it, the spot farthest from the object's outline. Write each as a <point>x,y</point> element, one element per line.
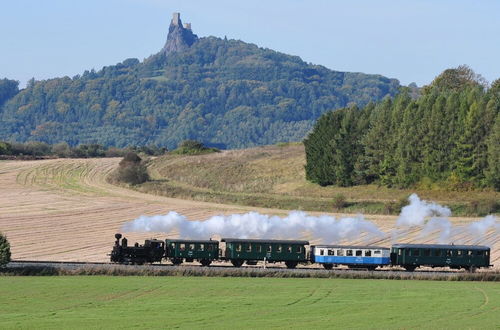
<point>4,250</point>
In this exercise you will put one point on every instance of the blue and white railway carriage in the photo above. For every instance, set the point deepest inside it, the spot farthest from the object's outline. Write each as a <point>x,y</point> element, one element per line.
<point>352,256</point>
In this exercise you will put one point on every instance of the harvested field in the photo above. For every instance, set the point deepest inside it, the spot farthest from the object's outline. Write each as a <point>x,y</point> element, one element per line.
<point>63,209</point>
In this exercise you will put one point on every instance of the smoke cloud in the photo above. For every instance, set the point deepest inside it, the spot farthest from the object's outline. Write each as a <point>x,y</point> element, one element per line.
<point>255,225</point>
<point>431,217</point>
<point>418,210</point>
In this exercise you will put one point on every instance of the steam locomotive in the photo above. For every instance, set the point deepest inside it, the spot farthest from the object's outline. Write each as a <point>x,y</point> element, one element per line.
<point>294,252</point>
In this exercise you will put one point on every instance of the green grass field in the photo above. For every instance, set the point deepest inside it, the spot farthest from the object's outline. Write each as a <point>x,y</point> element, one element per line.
<point>194,302</point>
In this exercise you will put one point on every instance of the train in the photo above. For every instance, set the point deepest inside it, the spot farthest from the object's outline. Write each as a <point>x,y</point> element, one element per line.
<point>240,251</point>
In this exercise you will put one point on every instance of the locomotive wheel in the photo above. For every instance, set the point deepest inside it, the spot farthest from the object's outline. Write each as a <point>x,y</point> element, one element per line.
<point>471,269</point>
<point>237,263</point>
<point>291,264</point>
<point>176,261</point>
<point>205,262</point>
<point>328,266</point>
<point>410,268</point>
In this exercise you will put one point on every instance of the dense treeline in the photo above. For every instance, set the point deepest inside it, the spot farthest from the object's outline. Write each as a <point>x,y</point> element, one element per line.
<point>225,93</point>
<point>448,137</point>
<point>41,149</point>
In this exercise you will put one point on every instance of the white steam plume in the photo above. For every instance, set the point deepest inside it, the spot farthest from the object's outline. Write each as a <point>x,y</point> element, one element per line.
<point>418,210</point>
<point>432,217</point>
<point>478,230</point>
<point>255,225</point>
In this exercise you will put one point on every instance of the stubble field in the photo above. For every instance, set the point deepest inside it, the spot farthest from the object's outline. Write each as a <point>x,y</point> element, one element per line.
<point>63,209</point>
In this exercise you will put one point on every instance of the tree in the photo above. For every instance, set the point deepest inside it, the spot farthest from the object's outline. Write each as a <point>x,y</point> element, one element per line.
<point>132,170</point>
<point>493,169</point>
<point>4,250</point>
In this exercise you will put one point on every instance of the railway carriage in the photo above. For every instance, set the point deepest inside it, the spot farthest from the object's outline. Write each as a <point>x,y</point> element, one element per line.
<point>411,256</point>
<point>179,250</point>
<point>369,257</point>
<point>239,251</point>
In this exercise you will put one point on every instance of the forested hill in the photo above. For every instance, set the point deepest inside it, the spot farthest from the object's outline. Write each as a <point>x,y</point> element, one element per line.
<point>225,93</point>
<point>449,138</point>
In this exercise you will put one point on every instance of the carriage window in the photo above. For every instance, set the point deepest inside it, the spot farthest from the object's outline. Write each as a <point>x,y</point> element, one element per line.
<point>259,248</point>
<point>172,246</point>
<point>210,247</point>
<point>269,248</point>
<point>249,248</point>
<point>349,253</point>
<point>340,253</point>
<point>331,252</point>
<point>479,253</point>
<point>427,253</point>
<point>238,248</point>
<point>368,253</point>
<point>377,252</point>
<point>289,249</point>
<point>459,253</point>
<point>437,253</point>
<point>182,246</point>
<point>448,253</point>
<point>202,247</point>
<point>408,252</point>
<point>279,248</point>
<point>359,253</point>
<point>469,252</point>
<point>400,252</point>
<point>486,253</point>
<point>191,247</point>
<point>299,249</point>
<point>416,252</point>
<point>321,252</point>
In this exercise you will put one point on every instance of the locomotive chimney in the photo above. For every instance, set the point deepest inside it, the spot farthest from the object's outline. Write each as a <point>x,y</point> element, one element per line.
<point>118,236</point>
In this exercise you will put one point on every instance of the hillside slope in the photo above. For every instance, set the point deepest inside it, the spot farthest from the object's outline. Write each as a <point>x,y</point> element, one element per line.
<point>274,176</point>
<point>222,92</point>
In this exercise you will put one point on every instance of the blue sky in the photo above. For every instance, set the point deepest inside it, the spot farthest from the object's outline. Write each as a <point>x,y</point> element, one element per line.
<point>412,41</point>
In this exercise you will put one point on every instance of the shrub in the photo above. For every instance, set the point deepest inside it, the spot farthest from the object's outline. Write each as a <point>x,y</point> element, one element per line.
<point>4,250</point>
<point>61,149</point>
<point>339,201</point>
<point>132,170</point>
<point>483,207</point>
<point>192,147</point>
<point>5,148</point>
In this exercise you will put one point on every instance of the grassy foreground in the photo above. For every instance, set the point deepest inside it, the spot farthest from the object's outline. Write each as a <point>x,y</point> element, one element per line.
<point>190,302</point>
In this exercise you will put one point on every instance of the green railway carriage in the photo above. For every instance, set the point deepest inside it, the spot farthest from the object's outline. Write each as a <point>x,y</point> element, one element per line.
<point>411,256</point>
<point>251,251</point>
<point>204,251</point>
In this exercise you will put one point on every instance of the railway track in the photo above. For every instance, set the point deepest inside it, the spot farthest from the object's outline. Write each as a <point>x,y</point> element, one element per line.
<point>223,269</point>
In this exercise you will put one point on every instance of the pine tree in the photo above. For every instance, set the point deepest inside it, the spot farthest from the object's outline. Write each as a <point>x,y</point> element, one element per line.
<point>492,172</point>
<point>4,250</point>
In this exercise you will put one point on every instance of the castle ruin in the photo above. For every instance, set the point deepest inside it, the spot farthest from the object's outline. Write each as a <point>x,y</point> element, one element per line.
<point>180,36</point>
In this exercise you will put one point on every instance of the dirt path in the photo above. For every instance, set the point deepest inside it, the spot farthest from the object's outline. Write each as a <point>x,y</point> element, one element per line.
<point>64,209</point>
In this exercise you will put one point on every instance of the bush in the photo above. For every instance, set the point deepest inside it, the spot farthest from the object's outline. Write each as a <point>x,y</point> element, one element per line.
<point>4,250</point>
<point>61,149</point>
<point>192,147</point>
<point>339,201</point>
<point>5,148</point>
<point>483,207</point>
<point>132,170</point>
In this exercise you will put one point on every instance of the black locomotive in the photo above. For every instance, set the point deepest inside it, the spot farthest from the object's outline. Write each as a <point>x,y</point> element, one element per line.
<point>152,251</point>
